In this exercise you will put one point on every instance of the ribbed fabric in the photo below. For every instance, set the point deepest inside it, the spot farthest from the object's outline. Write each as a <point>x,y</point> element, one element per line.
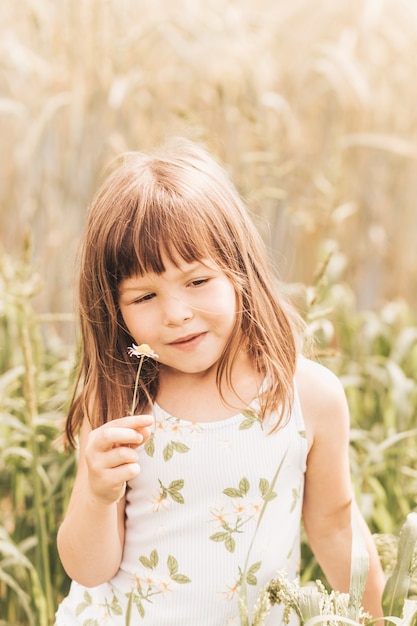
<point>205,492</point>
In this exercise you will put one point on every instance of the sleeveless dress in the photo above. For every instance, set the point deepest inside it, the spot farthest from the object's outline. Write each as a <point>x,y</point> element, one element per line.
<point>215,505</point>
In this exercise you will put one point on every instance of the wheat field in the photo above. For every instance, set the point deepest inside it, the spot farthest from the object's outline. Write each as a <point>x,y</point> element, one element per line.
<point>310,103</point>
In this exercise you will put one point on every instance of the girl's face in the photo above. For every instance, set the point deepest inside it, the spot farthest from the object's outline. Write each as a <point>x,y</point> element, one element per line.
<point>186,314</point>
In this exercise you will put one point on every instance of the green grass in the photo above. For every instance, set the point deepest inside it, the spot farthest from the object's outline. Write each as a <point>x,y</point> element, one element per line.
<point>375,354</point>
<point>36,473</point>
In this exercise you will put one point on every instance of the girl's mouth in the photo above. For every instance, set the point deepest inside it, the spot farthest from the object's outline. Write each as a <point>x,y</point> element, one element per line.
<point>188,342</point>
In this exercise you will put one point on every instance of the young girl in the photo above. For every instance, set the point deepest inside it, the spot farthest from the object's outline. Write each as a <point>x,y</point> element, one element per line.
<point>234,435</point>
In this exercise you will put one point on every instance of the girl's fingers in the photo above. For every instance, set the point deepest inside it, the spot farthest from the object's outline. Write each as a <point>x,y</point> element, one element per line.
<point>111,454</point>
<point>111,480</point>
<point>112,467</point>
<point>121,455</point>
<point>115,437</point>
<point>130,430</point>
<point>132,421</point>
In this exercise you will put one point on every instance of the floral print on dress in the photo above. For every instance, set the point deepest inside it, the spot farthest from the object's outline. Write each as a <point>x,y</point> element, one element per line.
<point>225,487</point>
<point>252,417</point>
<point>106,610</point>
<point>154,581</point>
<point>174,430</point>
<point>240,509</point>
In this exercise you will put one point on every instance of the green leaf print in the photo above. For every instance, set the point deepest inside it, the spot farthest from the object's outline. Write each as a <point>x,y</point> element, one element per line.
<point>295,496</point>
<point>145,562</point>
<point>180,579</point>
<point>80,608</point>
<point>149,445</point>
<point>151,562</point>
<point>250,574</point>
<point>115,607</point>
<point>270,496</point>
<point>263,486</point>
<point>251,418</point>
<point>220,536</point>
<point>175,485</point>
<point>173,569</point>
<point>244,486</point>
<point>240,492</point>
<point>266,492</point>
<point>173,490</point>
<point>154,558</point>
<point>172,565</point>
<point>177,497</point>
<point>179,447</point>
<point>227,535</point>
<point>230,543</point>
<point>174,446</point>
<point>83,605</point>
<point>139,606</point>
<point>232,492</point>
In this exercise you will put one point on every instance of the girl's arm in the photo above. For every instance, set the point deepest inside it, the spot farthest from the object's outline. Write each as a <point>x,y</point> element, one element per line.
<point>91,536</point>
<point>328,492</point>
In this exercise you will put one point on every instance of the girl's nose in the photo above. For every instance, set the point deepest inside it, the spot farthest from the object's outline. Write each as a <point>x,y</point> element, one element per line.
<point>177,312</point>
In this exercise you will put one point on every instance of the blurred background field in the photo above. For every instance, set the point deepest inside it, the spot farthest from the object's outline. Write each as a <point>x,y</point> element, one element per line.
<point>311,105</point>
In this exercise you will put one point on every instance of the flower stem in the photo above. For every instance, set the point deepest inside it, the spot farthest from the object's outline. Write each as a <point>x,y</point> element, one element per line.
<point>135,393</point>
<point>243,607</point>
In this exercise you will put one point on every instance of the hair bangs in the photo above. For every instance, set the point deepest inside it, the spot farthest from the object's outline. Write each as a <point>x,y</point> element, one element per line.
<point>163,232</point>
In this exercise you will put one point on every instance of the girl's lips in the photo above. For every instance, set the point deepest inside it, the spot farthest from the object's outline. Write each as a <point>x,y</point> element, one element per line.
<point>189,342</point>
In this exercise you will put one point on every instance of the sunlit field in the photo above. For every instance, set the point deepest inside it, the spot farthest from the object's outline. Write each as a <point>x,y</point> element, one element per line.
<point>311,104</point>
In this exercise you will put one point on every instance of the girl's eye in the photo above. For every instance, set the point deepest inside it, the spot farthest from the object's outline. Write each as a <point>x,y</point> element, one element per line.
<point>199,281</point>
<point>148,296</point>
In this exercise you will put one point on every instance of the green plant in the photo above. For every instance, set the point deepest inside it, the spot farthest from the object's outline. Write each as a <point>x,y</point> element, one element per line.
<point>36,473</point>
<point>375,356</point>
<point>314,604</point>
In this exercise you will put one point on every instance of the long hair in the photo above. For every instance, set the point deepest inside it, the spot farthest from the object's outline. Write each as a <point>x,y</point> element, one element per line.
<point>177,202</point>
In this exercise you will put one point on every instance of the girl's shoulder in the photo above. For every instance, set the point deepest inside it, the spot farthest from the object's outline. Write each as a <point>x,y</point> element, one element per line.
<point>322,397</point>
<point>311,372</point>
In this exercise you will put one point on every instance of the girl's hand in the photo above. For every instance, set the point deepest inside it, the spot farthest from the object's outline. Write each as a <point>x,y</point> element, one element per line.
<point>111,456</point>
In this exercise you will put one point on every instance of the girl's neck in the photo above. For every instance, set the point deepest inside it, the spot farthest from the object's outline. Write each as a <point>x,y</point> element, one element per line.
<point>197,398</point>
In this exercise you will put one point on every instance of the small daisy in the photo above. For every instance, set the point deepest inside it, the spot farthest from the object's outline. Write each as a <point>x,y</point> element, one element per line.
<point>231,591</point>
<point>242,508</point>
<point>140,352</point>
<point>164,586</point>
<point>219,515</point>
<point>257,505</point>
<point>159,503</point>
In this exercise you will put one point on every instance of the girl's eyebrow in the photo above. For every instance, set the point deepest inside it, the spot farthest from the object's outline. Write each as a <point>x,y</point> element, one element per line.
<point>132,288</point>
<point>135,284</point>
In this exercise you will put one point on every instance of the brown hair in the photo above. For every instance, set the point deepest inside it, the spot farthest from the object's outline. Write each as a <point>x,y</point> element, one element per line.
<point>180,202</point>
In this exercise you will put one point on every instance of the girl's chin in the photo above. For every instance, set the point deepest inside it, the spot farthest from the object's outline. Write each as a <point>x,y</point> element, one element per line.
<point>180,370</point>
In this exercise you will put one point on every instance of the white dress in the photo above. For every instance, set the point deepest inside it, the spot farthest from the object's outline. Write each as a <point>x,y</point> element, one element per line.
<point>214,504</point>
